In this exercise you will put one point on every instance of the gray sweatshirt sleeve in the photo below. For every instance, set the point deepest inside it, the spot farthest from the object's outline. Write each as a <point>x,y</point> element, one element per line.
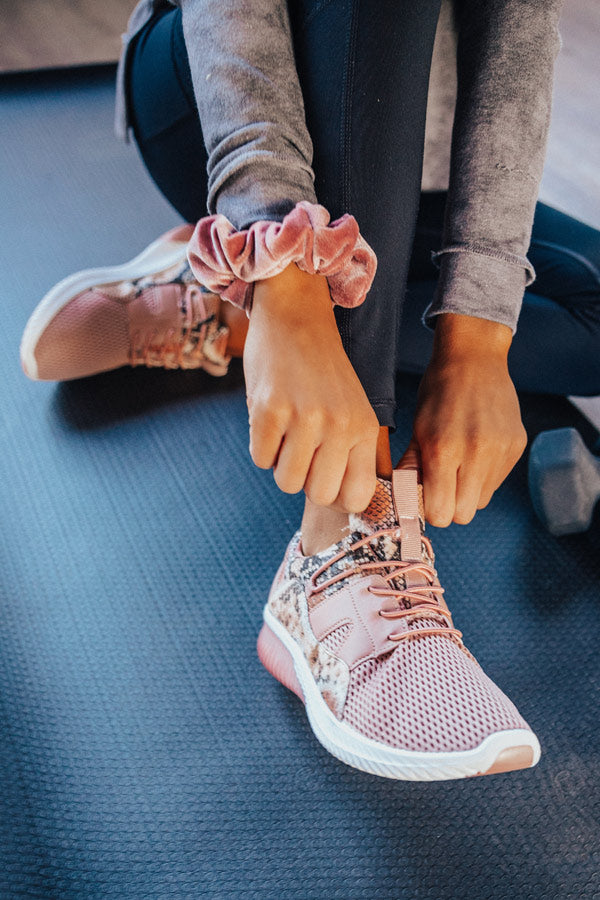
<point>260,152</point>
<point>251,108</point>
<point>505,59</point>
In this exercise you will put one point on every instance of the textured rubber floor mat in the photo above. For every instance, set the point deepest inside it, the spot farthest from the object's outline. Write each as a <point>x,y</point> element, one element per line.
<point>144,751</point>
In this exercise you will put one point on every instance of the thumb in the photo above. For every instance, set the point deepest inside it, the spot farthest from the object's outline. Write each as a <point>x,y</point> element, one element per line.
<point>411,458</point>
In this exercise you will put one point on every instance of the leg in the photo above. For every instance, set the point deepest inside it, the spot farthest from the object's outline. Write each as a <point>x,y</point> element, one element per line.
<point>164,114</point>
<point>375,61</point>
<point>555,349</point>
<point>367,160</point>
<point>560,319</point>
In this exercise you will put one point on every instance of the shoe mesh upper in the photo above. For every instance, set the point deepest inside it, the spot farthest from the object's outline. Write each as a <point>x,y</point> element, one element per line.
<point>88,335</point>
<point>427,696</point>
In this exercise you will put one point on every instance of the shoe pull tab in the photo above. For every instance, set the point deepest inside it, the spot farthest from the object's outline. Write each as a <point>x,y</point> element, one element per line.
<point>405,494</point>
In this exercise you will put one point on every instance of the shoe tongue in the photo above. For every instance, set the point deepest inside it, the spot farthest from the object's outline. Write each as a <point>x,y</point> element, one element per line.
<point>396,502</point>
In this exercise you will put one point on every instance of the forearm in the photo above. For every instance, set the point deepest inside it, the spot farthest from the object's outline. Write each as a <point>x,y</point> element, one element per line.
<point>506,53</point>
<point>464,339</point>
<point>264,211</point>
<point>467,426</point>
<point>251,108</point>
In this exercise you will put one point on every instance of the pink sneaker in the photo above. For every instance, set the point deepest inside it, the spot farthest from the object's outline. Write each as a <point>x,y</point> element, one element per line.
<point>149,311</point>
<point>361,633</point>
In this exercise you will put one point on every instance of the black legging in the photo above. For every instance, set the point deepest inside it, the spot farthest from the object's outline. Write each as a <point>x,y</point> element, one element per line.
<point>556,347</point>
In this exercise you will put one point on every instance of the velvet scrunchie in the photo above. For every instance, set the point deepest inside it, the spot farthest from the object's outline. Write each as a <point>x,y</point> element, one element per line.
<point>227,261</point>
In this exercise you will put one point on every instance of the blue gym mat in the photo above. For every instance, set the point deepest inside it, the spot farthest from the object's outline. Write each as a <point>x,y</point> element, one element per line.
<point>144,752</point>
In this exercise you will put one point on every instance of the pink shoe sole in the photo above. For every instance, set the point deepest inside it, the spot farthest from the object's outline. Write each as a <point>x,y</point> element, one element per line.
<point>276,660</point>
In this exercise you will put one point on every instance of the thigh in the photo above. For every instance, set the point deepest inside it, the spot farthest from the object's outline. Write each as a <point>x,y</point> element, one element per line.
<point>564,251</point>
<point>164,115</point>
<point>428,236</point>
<point>556,350</point>
<point>565,254</point>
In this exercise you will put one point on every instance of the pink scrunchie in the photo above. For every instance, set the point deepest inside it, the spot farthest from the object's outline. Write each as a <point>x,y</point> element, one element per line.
<point>227,261</point>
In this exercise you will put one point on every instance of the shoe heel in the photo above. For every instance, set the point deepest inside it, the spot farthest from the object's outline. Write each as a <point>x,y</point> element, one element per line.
<point>277,660</point>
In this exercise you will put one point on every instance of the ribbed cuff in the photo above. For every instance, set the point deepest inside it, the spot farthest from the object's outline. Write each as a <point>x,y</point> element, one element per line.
<point>475,283</point>
<point>227,261</point>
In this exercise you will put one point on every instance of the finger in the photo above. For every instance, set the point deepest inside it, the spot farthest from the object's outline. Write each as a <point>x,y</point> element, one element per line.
<point>439,487</point>
<point>266,435</point>
<point>325,475</point>
<point>360,479</point>
<point>294,460</point>
<point>471,476</point>
<point>493,481</point>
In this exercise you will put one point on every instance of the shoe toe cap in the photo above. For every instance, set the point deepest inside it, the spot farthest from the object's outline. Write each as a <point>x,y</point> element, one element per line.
<point>89,334</point>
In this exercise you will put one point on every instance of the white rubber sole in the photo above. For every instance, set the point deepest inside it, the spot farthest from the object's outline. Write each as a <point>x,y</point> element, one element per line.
<point>159,255</point>
<point>501,752</point>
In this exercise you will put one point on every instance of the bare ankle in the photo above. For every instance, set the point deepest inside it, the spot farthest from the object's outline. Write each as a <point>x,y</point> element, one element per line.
<point>383,459</point>
<point>321,527</point>
<point>237,322</point>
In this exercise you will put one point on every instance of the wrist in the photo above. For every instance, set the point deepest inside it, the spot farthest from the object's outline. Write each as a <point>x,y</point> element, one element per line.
<point>460,337</point>
<point>293,296</point>
<point>231,262</point>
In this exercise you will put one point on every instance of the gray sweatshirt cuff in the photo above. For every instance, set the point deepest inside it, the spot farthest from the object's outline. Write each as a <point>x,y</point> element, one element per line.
<point>264,186</point>
<point>473,283</point>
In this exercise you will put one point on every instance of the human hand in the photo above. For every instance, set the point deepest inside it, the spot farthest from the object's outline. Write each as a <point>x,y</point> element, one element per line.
<point>467,430</point>
<point>310,419</point>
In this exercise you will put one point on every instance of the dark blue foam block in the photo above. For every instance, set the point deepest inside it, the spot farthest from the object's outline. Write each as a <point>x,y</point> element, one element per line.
<point>144,753</point>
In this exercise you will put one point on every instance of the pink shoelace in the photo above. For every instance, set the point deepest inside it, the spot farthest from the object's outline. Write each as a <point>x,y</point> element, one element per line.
<point>423,599</point>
